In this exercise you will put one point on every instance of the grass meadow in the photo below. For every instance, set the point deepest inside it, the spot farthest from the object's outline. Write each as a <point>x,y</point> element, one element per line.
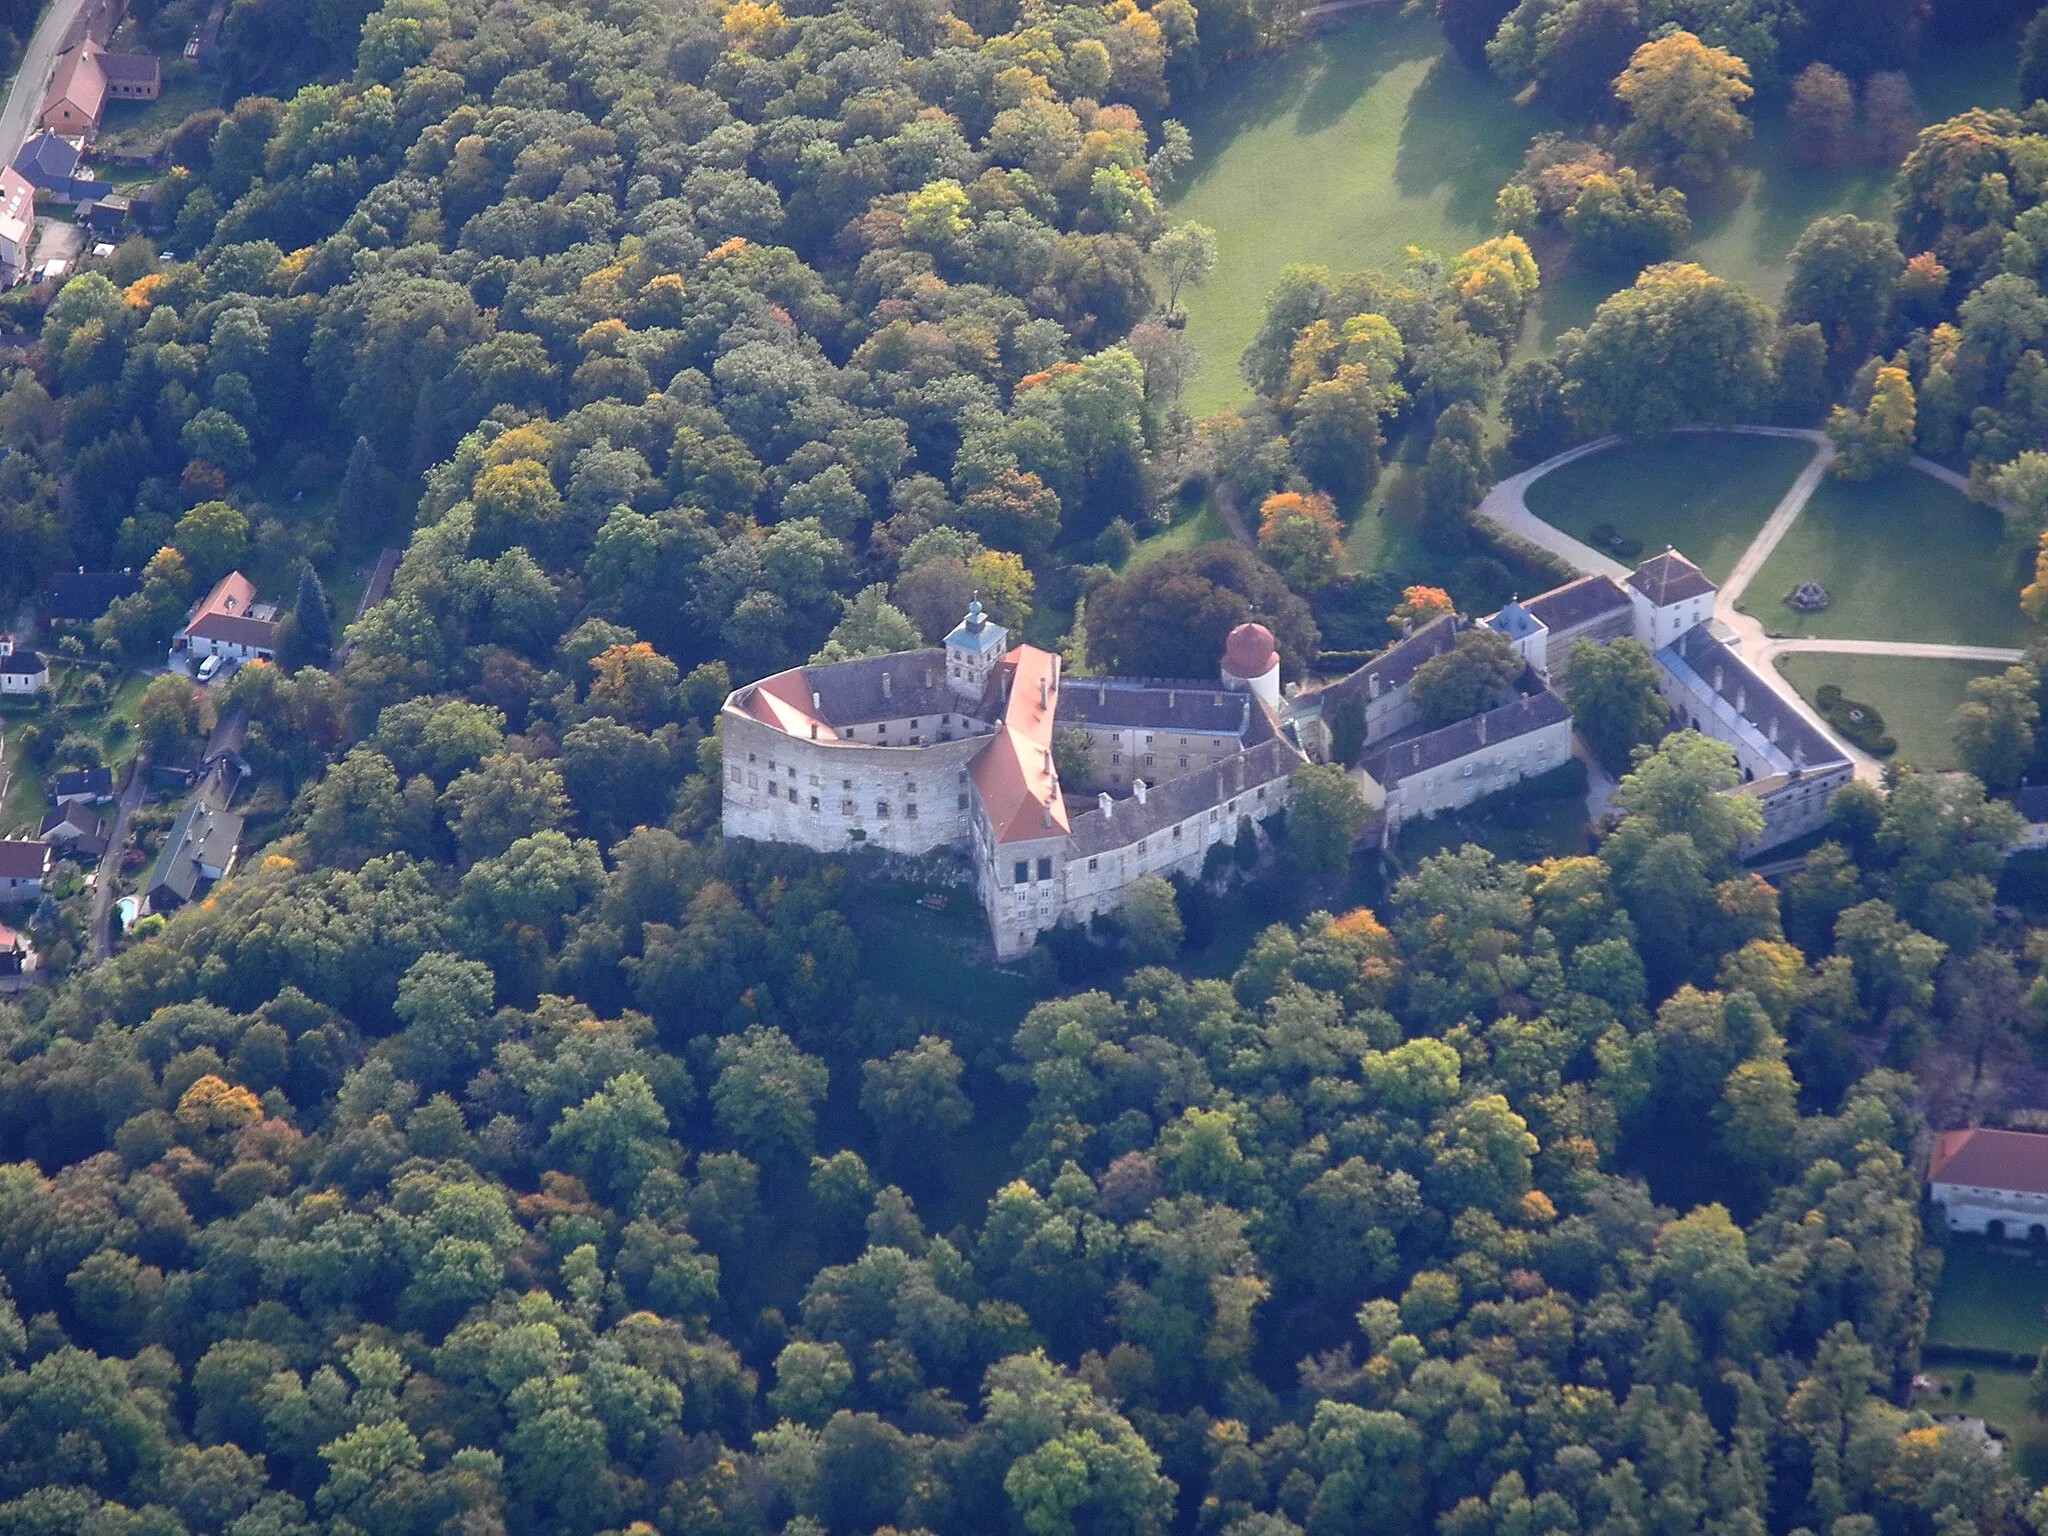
<point>1355,145</point>
<point>1915,698</point>
<point>1903,557</point>
<point>1706,493</point>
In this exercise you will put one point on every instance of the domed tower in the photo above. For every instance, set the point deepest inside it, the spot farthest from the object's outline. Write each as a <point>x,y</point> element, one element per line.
<point>1252,661</point>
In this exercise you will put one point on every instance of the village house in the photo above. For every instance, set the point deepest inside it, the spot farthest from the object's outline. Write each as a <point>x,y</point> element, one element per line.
<point>76,829</point>
<point>199,849</point>
<point>24,865</point>
<point>49,162</point>
<point>1991,1182</point>
<point>76,598</point>
<point>82,786</point>
<point>85,78</point>
<point>17,225</point>
<point>23,670</point>
<point>229,623</point>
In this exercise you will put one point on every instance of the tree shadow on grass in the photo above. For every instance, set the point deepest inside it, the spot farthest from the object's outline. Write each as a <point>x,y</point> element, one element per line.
<point>1316,82</point>
<point>1463,131</point>
<point>1355,58</point>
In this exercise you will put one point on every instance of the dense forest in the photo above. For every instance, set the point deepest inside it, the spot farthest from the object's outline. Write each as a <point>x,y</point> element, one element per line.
<point>500,1150</point>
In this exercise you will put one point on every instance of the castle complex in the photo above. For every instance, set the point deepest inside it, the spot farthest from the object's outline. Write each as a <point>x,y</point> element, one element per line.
<point>952,747</point>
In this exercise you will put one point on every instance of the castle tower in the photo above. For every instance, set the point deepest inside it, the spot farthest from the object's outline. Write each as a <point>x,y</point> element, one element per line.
<point>1251,662</point>
<point>972,651</point>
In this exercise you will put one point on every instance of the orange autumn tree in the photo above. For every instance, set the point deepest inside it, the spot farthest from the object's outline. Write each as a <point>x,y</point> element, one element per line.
<point>1300,537</point>
<point>1420,606</point>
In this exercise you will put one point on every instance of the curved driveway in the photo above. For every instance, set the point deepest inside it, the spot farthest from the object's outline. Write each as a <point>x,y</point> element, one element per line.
<point>1507,508</point>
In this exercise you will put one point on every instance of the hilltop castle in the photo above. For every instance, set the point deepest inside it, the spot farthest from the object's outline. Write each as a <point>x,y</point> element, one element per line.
<point>951,747</point>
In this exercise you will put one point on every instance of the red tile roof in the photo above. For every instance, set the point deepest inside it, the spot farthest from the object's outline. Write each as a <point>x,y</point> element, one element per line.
<point>1014,773</point>
<point>1985,1159</point>
<point>224,614</point>
<point>80,81</point>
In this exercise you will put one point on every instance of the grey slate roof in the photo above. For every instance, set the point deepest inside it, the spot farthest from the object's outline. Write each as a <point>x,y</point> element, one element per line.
<point>1778,728</point>
<point>79,597</point>
<point>850,692</point>
<point>1669,578</point>
<point>1112,705</point>
<point>84,781</point>
<point>23,662</point>
<point>1177,799</point>
<point>1577,602</point>
<point>1490,728</point>
<point>47,160</point>
<point>1397,665</point>
<point>201,835</point>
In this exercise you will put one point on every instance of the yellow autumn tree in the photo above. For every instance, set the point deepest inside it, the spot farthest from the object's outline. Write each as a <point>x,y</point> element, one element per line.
<point>1880,437</point>
<point>1684,102</point>
<point>212,1106</point>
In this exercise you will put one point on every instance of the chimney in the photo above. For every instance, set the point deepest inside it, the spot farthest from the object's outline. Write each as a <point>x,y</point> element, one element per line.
<point>1482,730</point>
<point>814,732</point>
<point>1044,690</point>
<point>818,699</point>
<point>1169,698</point>
<point>1742,700</point>
<point>1138,789</point>
<point>1106,805</point>
<point>885,685</point>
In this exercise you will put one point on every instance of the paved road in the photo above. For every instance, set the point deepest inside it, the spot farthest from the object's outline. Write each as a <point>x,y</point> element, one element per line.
<point>1505,508</point>
<point>1918,650</point>
<point>110,861</point>
<point>1777,525</point>
<point>32,80</point>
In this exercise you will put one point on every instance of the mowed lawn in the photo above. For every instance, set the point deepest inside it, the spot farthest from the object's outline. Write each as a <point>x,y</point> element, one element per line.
<point>1916,698</point>
<point>1351,147</point>
<point>1345,151</point>
<point>1990,1300</point>
<point>1705,493</point>
<point>1903,557</point>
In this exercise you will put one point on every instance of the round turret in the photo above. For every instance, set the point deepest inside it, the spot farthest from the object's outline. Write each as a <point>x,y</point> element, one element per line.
<point>1252,661</point>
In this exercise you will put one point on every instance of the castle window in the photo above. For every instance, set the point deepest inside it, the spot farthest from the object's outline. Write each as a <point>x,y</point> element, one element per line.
<point>792,770</point>
<point>963,803</point>
<point>1148,741</point>
<point>1176,832</point>
<point>753,782</point>
<point>910,810</point>
<point>1262,791</point>
<point>916,740</point>
<point>847,733</point>
<point>1045,869</point>
<point>847,808</point>
<point>882,729</point>
<point>735,773</point>
<point>882,810</point>
<point>1148,759</point>
<point>945,719</point>
<point>751,758</point>
<point>1023,871</point>
<point>913,725</point>
<point>1141,845</point>
<point>960,777</point>
<point>814,805</point>
<point>846,783</point>
<point>1091,866</point>
<point>1116,757</point>
<point>1183,761</point>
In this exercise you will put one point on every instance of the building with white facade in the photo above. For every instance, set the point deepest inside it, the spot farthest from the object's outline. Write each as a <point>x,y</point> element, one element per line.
<point>1447,769</point>
<point>22,668</point>
<point>229,623</point>
<point>1992,1182</point>
<point>952,748</point>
